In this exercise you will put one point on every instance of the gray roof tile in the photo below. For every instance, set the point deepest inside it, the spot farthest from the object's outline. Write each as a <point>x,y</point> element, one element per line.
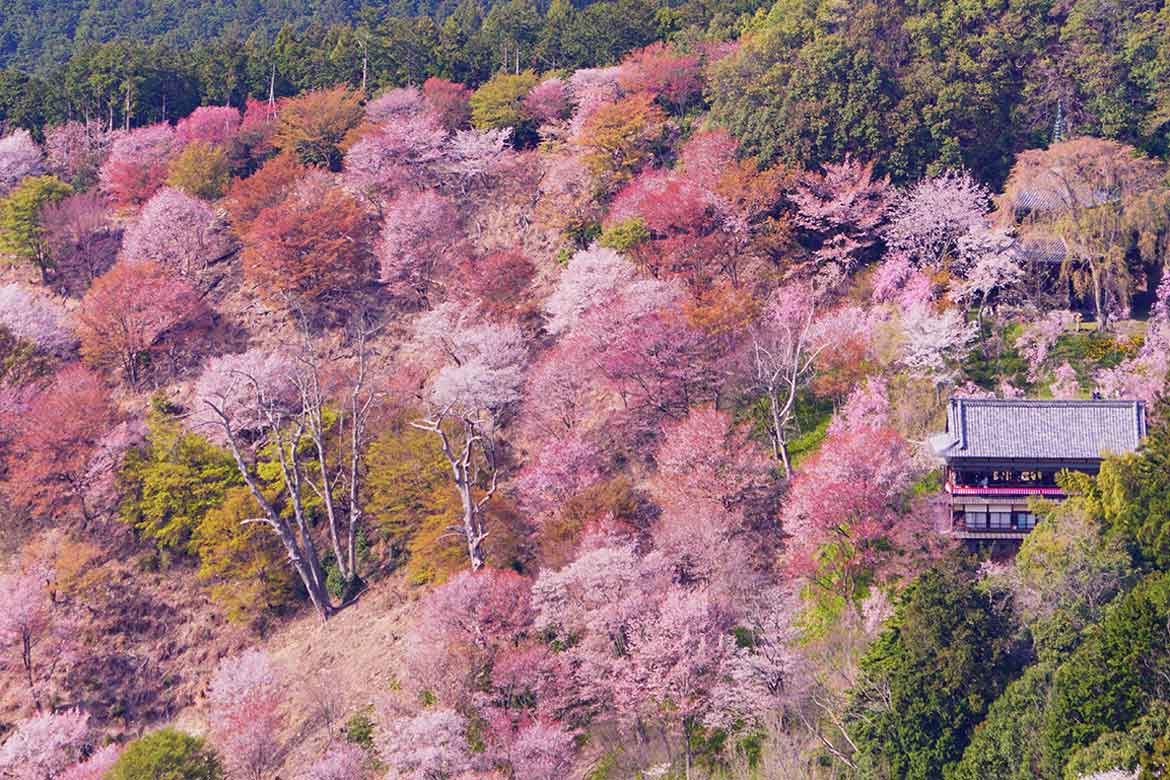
<point>1073,430</point>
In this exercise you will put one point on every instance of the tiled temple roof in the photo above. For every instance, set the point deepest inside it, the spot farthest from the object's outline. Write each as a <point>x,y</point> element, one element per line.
<point>1040,430</point>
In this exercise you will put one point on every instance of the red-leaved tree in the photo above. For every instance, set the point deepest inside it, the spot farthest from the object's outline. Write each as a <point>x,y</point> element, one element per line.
<point>135,314</point>
<point>843,513</point>
<point>450,101</point>
<point>311,252</point>
<point>55,443</point>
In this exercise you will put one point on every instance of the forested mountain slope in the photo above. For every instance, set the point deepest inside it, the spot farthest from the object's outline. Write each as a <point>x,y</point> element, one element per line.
<point>556,406</point>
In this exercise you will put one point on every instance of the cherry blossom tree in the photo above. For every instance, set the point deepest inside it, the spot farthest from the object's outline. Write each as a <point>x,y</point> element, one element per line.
<point>868,406</point>
<point>43,747</point>
<point>767,673</point>
<point>341,762</point>
<point>25,616</point>
<point>842,513</point>
<point>705,466</point>
<point>666,202</point>
<point>707,156</point>
<point>676,657</point>
<point>418,245</point>
<point>718,500</point>
<point>19,157</point>
<point>244,701</point>
<point>82,239</point>
<point>559,470</point>
<point>654,361</point>
<point>401,152</point>
<point>928,220</point>
<point>542,751</point>
<point>475,157</point>
<point>467,623</point>
<point>431,745</point>
<point>211,124</point>
<point>1065,384</point>
<point>934,342</point>
<point>134,310</point>
<point>842,209</point>
<point>178,232</point>
<point>481,374</point>
<point>590,606</point>
<point>990,268</point>
<point>95,767</point>
<point>548,101</point>
<point>592,276</point>
<point>1039,337</point>
<point>75,151</point>
<point>1144,375</point>
<point>397,103</point>
<point>559,393</point>
<point>35,319</point>
<point>137,164</point>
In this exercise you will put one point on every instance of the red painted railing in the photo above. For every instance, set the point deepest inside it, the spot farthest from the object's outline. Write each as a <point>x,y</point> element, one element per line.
<point>963,490</point>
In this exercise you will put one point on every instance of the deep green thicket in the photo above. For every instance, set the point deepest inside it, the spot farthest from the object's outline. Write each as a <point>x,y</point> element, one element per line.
<point>932,701</point>
<point>923,86</point>
<point>915,87</point>
<point>946,655</point>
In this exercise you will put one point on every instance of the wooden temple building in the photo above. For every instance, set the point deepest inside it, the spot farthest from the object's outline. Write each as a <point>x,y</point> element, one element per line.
<point>1000,453</point>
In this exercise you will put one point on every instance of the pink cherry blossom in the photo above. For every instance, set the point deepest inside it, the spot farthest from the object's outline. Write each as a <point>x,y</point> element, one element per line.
<point>35,319</point>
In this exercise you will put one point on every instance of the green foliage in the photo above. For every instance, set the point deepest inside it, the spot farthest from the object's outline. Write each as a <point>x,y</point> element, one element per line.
<point>173,482</point>
<point>923,86</point>
<point>1134,493</point>
<point>625,235</point>
<point>1071,569</point>
<point>202,170</point>
<point>21,234</point>
<point>1125,750</point>
<point>996,358</point>
<point>1092,350</point>
<point>498,103</point>
<point>244,562</point>
<point>359,729</point>
<point>186,496</point>
<point>1109,681</point>
<point>929,679</point>
<point>338,587</point>
<point>582,234</point>
<point>411,502</point>
<point>21,361</point>
<point>813,416</point>
<point>1004,745</point>
<point>166,754</point>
